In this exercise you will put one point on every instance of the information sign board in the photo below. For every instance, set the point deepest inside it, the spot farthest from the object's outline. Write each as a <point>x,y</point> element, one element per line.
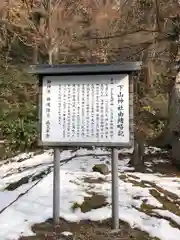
<point>85,110</point>
<point>86,105</point>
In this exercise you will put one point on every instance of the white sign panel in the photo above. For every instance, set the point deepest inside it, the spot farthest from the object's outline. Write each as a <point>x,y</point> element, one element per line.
<point>85,109</point>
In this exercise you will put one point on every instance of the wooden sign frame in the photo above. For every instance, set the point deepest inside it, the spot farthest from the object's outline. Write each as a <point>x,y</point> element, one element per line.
<point>86,70</point>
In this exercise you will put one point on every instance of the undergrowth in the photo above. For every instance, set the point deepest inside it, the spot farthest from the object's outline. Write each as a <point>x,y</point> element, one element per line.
<point>18,114</point>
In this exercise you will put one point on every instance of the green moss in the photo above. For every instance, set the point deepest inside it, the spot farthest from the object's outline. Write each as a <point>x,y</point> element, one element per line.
<point>94,202</point>
<point>137,183</point>
<point>167,204</point>
<point>147,207</point>
<point>123,177</point>
<point>94,180</point>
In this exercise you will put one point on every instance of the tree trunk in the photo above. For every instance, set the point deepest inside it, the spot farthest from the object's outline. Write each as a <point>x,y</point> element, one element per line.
<point>174,123</point>
<point>170,137</point>
<point>35,54</point>
<point>137,158</point>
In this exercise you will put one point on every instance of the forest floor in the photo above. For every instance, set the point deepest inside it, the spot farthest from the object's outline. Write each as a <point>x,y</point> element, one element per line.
<point>149,202</point>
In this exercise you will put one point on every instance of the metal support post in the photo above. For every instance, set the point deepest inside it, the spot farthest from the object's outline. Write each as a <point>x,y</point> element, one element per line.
<point>115,189</point>
<point>56,186</point>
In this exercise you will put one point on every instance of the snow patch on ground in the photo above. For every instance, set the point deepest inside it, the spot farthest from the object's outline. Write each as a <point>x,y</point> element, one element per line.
<point>35,205</point>
<point>171,184</point>
<point>168,214</point>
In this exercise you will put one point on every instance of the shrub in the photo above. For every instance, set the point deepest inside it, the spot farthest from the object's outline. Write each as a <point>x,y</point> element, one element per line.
<point>18,114</point>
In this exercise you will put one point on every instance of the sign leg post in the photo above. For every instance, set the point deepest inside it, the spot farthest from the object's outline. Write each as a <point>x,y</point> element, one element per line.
<point>115,189</point>
<point>56,186</point>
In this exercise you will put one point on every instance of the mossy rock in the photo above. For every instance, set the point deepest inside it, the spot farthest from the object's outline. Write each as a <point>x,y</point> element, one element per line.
<point>94,202</point>
<point>101,168</point>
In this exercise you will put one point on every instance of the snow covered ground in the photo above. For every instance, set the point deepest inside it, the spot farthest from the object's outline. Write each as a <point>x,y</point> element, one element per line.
<point>26,193</point>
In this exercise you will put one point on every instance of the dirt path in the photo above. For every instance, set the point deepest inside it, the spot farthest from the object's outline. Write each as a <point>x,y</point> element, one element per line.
<point>86,230</point>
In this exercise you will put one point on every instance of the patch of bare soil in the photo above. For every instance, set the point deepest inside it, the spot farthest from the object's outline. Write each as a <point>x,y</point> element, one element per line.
<point>160,162</point>
<point>86,230</point>
<point>165,168</point>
